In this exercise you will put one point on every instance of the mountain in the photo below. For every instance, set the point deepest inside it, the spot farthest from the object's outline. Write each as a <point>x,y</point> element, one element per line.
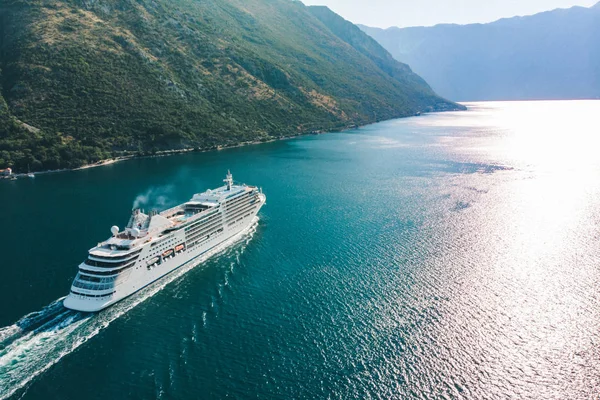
<point>85,80</point>
<point>551,55</point>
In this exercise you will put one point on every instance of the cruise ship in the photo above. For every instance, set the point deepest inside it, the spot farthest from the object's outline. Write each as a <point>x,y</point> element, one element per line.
<point>154,244</point>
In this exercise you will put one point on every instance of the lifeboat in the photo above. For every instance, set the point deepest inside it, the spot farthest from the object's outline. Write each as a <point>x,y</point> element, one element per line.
<point>179,247</point>
<point>152,261</point>
<point>167,253</point>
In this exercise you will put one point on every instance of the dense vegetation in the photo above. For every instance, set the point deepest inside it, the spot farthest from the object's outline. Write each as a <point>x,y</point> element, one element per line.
<point>86,80</point>
<point>551,55</point>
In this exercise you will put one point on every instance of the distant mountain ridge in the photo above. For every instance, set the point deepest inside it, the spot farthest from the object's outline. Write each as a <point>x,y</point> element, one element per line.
<point>85,80</point>
<point>550,55</point>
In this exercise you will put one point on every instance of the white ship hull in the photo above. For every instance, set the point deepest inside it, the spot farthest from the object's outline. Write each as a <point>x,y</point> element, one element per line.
<point>146,270</point>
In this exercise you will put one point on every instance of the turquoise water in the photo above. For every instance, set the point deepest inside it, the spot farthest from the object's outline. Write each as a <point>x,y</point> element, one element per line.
<point>451,255</point>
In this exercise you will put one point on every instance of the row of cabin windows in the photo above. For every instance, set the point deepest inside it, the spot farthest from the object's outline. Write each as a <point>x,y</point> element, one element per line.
<point>205,238</point>
<point>231,203</point>
<point>203,233</point>
<point>116,246</point>
<point>207,235</point>
<point>234,216</point>
<point>103,264</point>
<point>202,223</point>
<point>234,194</point>
<point>205,223</point>
<point>239,219</point>
<point>234,200</point>
<point>119,258</point>
<point>238,206</point>
<point>92,295</point>
<point>204,228</point>
<point>251,198</point>
<point>239,212</point>
<point>93,286</point>
<point>196,227</point>
<point>96,279</point>
<point>112,272</point>
<point>203,219</point>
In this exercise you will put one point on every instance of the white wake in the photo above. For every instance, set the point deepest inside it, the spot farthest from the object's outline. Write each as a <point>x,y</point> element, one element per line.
<point>40,339</point>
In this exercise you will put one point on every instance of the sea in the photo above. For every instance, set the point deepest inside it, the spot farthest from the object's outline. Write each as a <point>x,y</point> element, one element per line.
<point>447,256</point>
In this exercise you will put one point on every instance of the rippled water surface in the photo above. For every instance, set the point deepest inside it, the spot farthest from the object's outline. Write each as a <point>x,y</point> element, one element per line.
<point>451,255</point>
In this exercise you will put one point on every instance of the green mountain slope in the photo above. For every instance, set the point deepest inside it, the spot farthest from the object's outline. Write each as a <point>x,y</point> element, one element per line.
<point>86,80</point>
<point>369,47</point>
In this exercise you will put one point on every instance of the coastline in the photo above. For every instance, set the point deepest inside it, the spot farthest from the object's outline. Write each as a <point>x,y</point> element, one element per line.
<point>164,153</point>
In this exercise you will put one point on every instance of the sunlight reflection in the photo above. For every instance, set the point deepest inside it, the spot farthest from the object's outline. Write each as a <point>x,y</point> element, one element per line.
<point>531,238</point>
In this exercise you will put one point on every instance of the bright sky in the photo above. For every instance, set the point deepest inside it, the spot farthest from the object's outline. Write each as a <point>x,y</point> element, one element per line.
<point>402,13</point>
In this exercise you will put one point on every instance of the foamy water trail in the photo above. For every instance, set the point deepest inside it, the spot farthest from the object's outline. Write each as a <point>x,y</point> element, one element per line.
<point>40,339</point>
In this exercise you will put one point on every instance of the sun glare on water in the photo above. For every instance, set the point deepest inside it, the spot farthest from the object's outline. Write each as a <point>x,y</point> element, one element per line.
<point>544,212</point>
<point>530,241</point>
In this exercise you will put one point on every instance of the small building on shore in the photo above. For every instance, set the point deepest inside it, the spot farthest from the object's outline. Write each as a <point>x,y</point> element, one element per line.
<point>5,172</point>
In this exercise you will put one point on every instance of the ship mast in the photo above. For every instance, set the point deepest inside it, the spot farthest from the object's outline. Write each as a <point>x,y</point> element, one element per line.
<point>228,180</point>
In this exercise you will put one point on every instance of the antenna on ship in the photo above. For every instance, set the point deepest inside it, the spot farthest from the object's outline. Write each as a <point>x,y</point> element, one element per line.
<point>228,180</point>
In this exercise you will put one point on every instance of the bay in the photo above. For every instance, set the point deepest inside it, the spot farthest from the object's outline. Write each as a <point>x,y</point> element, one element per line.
<point>449,255</point>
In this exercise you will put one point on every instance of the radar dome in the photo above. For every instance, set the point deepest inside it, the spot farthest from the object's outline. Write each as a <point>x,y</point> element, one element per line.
<point>135,232</point>
<point>114,230</point>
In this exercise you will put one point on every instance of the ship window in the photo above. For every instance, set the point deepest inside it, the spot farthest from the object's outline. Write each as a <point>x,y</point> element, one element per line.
<point>92,295</point>
<point>119,258</point>
<point>103,264</point>
<point>88,278</point>
<point>113,272</point>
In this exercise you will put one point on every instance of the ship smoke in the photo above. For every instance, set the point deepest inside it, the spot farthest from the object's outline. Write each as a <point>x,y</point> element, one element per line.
<point>155,197</point>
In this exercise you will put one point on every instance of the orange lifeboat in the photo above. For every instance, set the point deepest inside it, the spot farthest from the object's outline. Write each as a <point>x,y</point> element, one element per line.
<point>179,247</point>
<point>167,253</point>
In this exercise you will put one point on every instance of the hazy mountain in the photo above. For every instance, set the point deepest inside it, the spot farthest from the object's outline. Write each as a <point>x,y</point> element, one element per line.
<point>551,55</point>
<point>85,79</point>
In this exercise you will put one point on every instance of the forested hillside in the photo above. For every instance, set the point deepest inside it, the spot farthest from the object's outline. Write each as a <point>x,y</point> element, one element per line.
<point>87,80</point>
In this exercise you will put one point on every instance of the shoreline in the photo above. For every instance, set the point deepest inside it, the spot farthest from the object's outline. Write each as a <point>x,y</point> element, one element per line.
<point>162,153</point>
<point>165,153</point>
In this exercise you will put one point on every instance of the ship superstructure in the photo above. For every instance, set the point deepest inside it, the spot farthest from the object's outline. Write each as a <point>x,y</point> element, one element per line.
<point>154,244</point>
